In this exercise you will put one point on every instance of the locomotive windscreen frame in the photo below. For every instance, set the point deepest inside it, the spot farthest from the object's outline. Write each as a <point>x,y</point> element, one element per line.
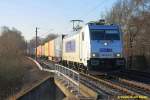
<point>101,34</point>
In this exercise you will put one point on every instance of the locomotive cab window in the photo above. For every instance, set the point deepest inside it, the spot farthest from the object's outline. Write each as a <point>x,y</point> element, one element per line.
<point>104,34</point>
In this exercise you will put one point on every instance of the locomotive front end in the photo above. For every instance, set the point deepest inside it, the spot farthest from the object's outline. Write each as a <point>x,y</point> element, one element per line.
<point>106,47</point>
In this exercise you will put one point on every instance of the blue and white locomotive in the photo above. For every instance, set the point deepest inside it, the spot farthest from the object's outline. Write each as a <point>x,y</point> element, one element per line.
<point>95,46</point>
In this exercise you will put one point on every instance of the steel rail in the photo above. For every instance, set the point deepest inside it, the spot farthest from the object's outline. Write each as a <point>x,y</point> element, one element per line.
<point>124,90</point>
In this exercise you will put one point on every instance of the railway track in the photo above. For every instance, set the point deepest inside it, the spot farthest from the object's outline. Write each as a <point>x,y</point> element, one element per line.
<point>143,74</point>
<point>142,88</point>
<point>134,75</point>
<point>137,87</point>
<point>118,87</point>
<point>112,86</point>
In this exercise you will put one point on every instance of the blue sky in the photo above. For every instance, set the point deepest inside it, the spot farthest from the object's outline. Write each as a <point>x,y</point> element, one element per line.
<point>49,15</point>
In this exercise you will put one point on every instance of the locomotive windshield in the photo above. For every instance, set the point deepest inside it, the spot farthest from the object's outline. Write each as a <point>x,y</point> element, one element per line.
<point>104,34</point>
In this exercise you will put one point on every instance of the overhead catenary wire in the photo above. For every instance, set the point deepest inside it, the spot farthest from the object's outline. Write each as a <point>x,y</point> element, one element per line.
<point>88,13</point>
<point>43,34</point>
<point>93,9</point>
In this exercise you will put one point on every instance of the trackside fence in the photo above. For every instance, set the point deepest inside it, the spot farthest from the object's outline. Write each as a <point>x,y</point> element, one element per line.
<point>70,77</point>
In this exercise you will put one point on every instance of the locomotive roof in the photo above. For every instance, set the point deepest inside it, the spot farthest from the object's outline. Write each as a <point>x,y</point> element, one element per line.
<point>93,26</point>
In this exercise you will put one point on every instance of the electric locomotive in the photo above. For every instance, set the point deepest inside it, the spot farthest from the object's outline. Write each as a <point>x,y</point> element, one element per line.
<point>96,46</point>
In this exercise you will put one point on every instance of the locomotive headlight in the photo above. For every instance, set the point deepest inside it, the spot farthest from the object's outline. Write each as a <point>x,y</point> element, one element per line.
<point>94,55</point>
<point>105,43</point>
<point>118,55</point>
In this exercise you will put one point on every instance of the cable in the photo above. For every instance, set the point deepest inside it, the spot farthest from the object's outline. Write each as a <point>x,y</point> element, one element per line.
<point>85,15</point>
<point>43,34</point>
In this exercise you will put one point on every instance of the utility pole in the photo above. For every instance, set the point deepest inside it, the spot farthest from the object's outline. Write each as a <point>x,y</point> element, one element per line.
<point>36,31</point>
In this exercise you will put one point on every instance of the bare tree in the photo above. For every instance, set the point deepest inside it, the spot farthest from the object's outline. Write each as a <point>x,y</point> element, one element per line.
<point>133,16</point>
<point>40,41</point>
<point>49,37</point>
<point>12,48</point>
<point>31,45</point>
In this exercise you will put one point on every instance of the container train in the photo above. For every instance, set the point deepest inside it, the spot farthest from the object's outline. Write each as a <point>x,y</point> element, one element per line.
<point>94,47</point>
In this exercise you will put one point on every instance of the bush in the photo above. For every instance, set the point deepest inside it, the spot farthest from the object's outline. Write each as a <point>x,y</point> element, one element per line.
<point>12,47</point>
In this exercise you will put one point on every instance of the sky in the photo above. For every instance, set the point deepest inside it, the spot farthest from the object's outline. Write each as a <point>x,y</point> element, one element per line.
<point>50,16</point>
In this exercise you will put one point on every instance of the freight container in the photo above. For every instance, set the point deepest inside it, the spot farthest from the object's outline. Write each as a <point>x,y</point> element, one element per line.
<point>39,51</point>
<point>51,49</point>
<point>46,46</point>
<point>43,51</point>
<point>58,48</point>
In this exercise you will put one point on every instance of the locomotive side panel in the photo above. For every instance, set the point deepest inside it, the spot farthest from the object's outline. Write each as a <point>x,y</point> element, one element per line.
<point>71,48</point>
<point>84,45</point>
